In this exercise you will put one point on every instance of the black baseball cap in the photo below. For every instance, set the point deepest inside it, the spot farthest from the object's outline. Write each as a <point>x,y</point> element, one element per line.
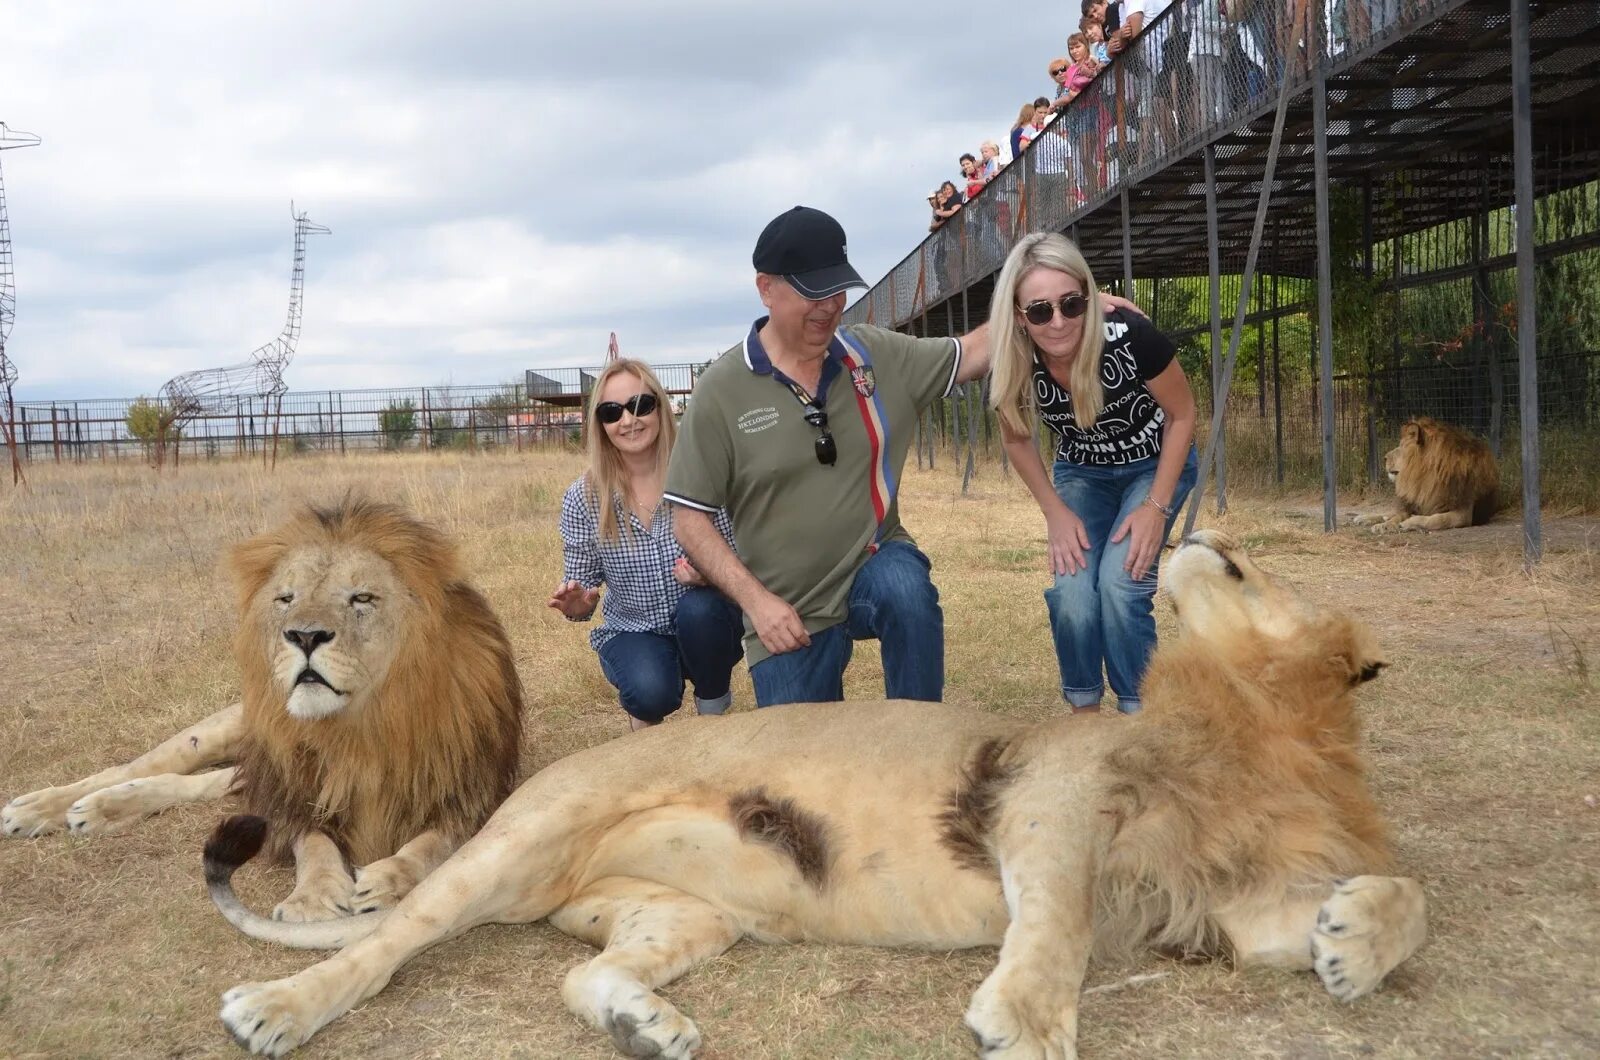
<point>806,247</point>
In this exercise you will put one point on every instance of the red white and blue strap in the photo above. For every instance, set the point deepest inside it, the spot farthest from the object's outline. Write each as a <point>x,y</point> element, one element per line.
<point>881,484</point>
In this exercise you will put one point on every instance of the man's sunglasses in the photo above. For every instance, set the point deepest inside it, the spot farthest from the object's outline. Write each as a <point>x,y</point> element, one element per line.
<point>827,451</point>
<point>611,411</point>
<point>1043,311</point>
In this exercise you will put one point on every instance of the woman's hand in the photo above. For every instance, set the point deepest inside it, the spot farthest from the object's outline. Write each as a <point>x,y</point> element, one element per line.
<point>574,601</point>
<point>685,573</point>
<point>1068,541</point>
<point>1147,526</point>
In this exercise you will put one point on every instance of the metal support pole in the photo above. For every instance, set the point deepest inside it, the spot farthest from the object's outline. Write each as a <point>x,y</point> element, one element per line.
<point>1527,336</point>
<point>1127,249</point>
<point>1319,119</point>
<point>1213,263</point>
<point>972,408</point>
<point>1262,201</point>
<point>1373,469</point>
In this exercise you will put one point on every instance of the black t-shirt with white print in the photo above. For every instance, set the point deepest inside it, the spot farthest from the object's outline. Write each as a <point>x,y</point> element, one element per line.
<point>1128,428</point>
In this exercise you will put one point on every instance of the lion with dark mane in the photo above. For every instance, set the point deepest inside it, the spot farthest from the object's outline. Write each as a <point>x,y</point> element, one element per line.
<point>1231,817</point>
<point>1443,478</point>
<point>380,722</point>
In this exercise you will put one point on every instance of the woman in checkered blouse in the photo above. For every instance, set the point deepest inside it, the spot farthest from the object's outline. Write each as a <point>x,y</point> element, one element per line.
<point>661,625</point>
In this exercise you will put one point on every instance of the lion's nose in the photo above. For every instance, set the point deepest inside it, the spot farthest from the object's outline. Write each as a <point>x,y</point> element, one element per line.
<point>307,640</point>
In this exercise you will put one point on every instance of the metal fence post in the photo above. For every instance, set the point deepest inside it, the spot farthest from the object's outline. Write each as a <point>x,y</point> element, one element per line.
<point>1319,110</point>
<point>1527,335</point>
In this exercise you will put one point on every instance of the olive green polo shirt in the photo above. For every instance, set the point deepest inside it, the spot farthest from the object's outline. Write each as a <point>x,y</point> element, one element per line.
<point>804,528</point>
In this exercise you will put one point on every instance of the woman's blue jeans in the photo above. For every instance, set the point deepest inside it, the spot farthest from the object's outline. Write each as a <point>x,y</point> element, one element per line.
<point>1100,615</point>
<point>649,669</point>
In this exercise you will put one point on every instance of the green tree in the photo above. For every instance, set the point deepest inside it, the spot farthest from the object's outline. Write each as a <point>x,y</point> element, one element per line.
<point>149,421</point>
<point>398,423</point>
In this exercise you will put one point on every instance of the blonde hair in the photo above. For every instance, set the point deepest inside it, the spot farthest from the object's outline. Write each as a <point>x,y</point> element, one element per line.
<point>607,475</point>
<point>1011,390</point>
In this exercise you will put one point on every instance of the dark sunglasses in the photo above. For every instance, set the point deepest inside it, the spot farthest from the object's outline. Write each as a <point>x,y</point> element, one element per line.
<point>611,411</point>
<point>1043,311</point>
<point>827,451</point>
<point>1058,72</point>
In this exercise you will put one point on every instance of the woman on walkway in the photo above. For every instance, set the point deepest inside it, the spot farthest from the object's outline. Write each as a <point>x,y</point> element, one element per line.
<point>660,623</point>
<point>1120,407</point>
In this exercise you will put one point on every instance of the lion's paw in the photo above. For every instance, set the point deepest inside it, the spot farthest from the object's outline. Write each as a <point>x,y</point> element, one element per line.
<point>112,809</point>
<point>1366,927</point>
<point>38,812</point>
<point>643,1024</point>
<point>1358,519</point>
<point>325,896</point>
<point>381,885</point>
<point>265,1019</point>
<point>1003,1032</point>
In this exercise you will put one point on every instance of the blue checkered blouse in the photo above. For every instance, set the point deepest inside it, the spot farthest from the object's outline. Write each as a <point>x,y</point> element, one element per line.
<point>641,594</point>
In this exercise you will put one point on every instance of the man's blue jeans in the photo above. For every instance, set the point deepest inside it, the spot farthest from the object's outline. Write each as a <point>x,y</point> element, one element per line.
<point>649,669</point>
<point>893,601</point>
<point>1100,614</point>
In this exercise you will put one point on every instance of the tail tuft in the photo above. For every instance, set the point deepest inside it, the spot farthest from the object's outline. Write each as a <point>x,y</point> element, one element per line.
<point>236,841</point>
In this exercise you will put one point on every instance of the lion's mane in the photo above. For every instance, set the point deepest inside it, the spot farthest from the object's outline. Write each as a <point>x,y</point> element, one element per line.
<point>1442,468</point>
<point>436,744</point>
<point>1243,781</point>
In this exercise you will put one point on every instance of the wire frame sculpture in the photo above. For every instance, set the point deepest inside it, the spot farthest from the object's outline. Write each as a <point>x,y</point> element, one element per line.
<point>214,391</point>
<point>9,139</point>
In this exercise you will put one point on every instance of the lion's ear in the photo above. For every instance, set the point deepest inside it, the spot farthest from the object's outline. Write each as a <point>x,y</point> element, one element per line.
<point>1362,658</point>
<point>252,562</point>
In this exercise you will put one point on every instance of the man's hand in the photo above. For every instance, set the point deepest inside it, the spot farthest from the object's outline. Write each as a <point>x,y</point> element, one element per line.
<point>778,625</point>
<point>1111,301</point>
<point>574,601</point>
<point>685,573</point>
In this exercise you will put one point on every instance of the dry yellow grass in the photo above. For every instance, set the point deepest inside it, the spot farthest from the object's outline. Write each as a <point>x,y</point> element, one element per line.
<point>1483,735</point>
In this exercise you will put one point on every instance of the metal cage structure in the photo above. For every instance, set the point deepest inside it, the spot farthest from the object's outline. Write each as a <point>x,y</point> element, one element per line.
<point>10,139</point>
<point>217,391</point>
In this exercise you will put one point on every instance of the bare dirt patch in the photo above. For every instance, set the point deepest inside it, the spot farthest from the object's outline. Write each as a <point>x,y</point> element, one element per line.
<point>1484,736</point>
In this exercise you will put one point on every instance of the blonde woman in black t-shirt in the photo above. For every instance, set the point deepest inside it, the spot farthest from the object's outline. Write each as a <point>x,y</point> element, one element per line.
<point>1123,417</point>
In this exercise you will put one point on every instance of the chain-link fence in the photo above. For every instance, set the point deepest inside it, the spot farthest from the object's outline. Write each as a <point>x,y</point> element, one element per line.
<point>545,408</point>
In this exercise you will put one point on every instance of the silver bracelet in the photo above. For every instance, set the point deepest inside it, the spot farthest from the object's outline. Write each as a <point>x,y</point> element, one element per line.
<point>1165,509</point>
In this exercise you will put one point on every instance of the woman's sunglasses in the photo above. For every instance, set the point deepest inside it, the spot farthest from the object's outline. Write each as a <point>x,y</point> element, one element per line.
<point>1043,311</point>
<point>1058,72</point>
<point>611,411</point>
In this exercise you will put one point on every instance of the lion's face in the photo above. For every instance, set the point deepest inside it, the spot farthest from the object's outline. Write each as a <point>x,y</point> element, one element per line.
<point>1396,459</point>
<point>1218,591</point>
<point>331,621</point>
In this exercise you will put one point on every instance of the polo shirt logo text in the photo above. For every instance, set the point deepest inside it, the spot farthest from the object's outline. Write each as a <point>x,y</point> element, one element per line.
<point>757,420</point>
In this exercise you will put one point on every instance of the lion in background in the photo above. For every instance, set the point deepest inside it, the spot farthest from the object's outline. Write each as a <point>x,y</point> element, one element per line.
<point>1443,478</point>
<point>1231,816</point>
<point>380,721</point>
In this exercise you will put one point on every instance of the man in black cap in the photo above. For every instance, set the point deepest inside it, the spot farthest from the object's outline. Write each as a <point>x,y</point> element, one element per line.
<point>801,433</point>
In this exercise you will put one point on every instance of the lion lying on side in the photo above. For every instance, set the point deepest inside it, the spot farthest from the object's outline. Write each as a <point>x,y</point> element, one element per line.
<point>1231,815</point>
<point>1443,478</point>
<point>381,717</point>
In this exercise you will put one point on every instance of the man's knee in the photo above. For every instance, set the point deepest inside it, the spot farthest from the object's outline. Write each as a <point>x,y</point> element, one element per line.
<point>897,577</point>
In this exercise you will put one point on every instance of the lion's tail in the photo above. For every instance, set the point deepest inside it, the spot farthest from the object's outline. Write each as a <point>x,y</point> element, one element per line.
<point>236,841</point>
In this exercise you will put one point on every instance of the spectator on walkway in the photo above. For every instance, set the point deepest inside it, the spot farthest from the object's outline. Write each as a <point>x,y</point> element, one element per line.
<point>1209,33</point>
<point>1058,69</point>
<point>946,202</point>
<point>1114,394</point>
<point>1023,131</point>
<point>1095,34</point>
<point>972,174</point>
<point>991,162</point>
<point>660,624</point>
<point>802,434</point>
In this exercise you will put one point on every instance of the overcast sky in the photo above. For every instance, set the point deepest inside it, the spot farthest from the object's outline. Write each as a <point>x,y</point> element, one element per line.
<point>506,182</point>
